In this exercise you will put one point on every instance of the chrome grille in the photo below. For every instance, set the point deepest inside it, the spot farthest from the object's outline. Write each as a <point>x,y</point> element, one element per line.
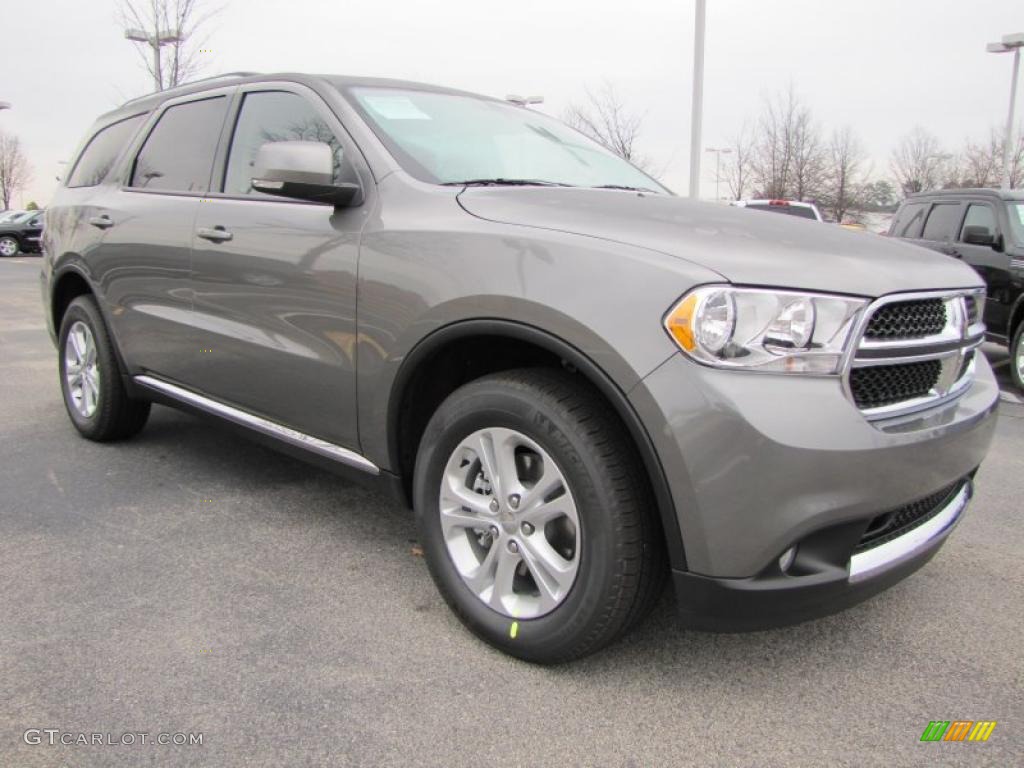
<point>907,320</point>
<point>914,351</point>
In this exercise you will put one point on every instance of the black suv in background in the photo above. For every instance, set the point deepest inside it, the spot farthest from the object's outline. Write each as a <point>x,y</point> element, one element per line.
<point>984,228</point>
<point>20,232</point>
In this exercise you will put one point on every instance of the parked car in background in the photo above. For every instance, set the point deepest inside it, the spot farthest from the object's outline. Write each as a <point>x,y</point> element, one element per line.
<point>580,382</point>
<point>985,229</point>
<point>787,207</point>
<point>20,232</point>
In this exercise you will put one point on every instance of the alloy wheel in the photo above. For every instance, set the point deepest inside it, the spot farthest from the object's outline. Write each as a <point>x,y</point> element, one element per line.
<point>8,246</point>
<point>81,369</point>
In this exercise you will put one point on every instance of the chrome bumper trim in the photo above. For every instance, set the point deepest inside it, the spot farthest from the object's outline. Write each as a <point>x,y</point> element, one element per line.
<point>867,564</point>
<point>259,424</point>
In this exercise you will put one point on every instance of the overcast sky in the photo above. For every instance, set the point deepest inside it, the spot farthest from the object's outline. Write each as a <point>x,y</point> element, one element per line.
<point>878,65</point>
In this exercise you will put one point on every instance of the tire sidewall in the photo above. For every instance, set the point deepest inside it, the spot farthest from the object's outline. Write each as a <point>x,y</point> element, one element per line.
<point>1016,348</point>
<point>553,634</point>
<point>82,310</point>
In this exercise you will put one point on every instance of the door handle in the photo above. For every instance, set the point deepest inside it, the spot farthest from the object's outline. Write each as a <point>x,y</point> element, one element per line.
<point>214,234</point>
<point>103,221</point>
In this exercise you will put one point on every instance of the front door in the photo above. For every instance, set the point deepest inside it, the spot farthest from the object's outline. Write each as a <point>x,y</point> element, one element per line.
<point>274,280</point>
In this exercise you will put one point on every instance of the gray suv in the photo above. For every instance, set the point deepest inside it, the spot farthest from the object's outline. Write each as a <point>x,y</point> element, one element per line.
<point>580,382</point>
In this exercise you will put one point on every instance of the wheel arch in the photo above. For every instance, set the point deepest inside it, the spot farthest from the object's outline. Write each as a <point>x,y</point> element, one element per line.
<point>405,428</point>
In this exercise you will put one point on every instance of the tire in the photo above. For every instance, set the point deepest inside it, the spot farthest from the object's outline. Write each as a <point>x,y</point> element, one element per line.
<point>9,246</point>
<point>1017,357</point>
<point>109,414</point>
<point>556,422</point>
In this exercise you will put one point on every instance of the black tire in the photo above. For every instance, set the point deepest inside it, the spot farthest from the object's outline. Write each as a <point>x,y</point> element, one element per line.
<point>116,416</point>
<point>622,565</point>
<point>1016,354</point>
<point>8,239</point>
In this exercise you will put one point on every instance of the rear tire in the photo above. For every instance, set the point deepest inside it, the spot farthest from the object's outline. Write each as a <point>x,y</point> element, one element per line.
<point>552,425</point>
<point>90,377</point>
<point>1017,357</point>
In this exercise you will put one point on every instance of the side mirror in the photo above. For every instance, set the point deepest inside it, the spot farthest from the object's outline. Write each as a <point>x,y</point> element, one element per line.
<point>978,235</point>
<point>303,170</point>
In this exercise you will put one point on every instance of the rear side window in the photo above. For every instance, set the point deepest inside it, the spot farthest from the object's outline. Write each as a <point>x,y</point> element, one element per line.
<point>102,152</point>
<point>910,220</point>
<point>979,215</point>
<point>268,116</point>
<point>178,154</point>
<point>800,211</point>
<point>942,221</point>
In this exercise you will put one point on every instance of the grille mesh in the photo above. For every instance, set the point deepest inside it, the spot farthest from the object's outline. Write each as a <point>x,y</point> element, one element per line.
<point>907,320</point>
<point>879,385</point>
<point>895,523</point>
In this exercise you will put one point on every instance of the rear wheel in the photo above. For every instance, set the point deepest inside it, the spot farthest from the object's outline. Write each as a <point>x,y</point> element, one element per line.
<point>535,515</point>
<point>90,377</point>
<point>9,246</point>
<point>1017,357</point>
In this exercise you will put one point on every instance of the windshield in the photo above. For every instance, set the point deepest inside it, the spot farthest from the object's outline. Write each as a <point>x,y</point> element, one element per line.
<point>1015,213</point>
<point>447,138</point>
<point>790,210</point>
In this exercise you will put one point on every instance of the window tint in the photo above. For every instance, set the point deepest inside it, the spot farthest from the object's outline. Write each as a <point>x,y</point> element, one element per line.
<point>179,152</point>
<point>942,221</point>
<point>270,116</point>
<point>979,215</point>
<point>909,221</point>
<point>790,210</point>
<point>102,151</point>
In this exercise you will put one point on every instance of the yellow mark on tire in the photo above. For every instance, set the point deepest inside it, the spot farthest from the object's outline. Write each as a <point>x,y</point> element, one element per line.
<point>513,630</point>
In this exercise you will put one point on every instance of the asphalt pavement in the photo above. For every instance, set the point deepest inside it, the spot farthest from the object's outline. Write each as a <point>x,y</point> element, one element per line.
<point>189,581</point>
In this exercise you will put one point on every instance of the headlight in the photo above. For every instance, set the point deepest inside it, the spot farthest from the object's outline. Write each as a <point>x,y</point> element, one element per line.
<point>750,328</point>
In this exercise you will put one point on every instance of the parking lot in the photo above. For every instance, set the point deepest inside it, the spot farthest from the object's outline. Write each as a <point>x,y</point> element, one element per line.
<point>189,581</point>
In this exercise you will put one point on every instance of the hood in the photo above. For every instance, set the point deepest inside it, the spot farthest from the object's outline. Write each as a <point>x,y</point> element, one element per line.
<point>745,247</point>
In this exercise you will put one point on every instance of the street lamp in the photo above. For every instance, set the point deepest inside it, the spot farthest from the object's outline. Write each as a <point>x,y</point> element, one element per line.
<point>719,151</point>
<point>5,105</point>
<point>524,101</point>
<point>1009,43</point>
<point>162,38</point>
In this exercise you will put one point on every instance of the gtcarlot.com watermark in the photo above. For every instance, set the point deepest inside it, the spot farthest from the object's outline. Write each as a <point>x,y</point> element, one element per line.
<point>55,736</point>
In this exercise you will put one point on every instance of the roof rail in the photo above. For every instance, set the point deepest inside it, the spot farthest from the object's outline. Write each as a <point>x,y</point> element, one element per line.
<point>181,86</point>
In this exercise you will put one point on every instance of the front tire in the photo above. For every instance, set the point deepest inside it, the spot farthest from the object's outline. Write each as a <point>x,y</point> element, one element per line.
<point>535,515</point>
<point>1017,357</point>
<point>9,246</point>
<point>90,377</point>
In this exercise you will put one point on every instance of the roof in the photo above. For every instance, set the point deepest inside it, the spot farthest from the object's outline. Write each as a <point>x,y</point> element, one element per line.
<point>999,194</point>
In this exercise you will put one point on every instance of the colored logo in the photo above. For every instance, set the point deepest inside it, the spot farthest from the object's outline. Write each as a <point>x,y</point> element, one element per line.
<point>958,730</point>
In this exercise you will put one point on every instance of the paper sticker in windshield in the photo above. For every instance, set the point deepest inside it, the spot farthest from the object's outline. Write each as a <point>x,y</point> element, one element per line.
<point>395,108</point>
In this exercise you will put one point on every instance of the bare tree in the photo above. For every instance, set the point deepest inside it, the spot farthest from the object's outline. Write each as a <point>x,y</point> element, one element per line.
<point>789,158</point>
<point>980,164</point>
<point>739,170</point>
<point>179,61</point>
<point>607,120</point>
<point>15,172</point>
<point>845,186</point>
<point>917,162</point>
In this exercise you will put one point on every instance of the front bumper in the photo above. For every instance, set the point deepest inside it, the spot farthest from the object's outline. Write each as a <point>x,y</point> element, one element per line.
<point>759,463</point>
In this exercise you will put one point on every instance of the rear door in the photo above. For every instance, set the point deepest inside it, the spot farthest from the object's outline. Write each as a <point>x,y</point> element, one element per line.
<point>941,225</point>
<point>992,265</point>
<point>274,280</point>
<point>143,262</point>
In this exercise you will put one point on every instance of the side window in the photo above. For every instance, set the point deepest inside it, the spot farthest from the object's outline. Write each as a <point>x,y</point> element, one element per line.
<point>178,154</point>
<point>102,152</point>
<point>979,215</point>
<point>268,116</point>
<point>942,221</point>
<point>910,220</point>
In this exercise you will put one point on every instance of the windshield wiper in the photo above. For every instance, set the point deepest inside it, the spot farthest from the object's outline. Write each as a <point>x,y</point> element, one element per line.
<point>499,182</point>
<point>628,189</point>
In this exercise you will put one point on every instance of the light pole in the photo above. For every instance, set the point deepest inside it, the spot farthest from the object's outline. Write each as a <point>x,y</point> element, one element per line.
<point>162,38</point>
<point>1009,43</point>
<point>697,107</point>
<point>719,151</point>
<point>5,105</point>
<point>524,101</point>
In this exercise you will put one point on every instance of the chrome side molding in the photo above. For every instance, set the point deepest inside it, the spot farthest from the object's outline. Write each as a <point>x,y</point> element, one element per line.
<point>259,424</point>
<point>866,564</point>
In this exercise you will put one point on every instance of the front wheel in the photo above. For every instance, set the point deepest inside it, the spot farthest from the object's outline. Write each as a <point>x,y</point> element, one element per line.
<point>1017,357</point>
<point>535,515</point>
<point>9,246</point>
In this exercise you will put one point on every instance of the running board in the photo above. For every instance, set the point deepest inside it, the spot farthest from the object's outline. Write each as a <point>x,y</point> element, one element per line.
<point>259,424</point>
